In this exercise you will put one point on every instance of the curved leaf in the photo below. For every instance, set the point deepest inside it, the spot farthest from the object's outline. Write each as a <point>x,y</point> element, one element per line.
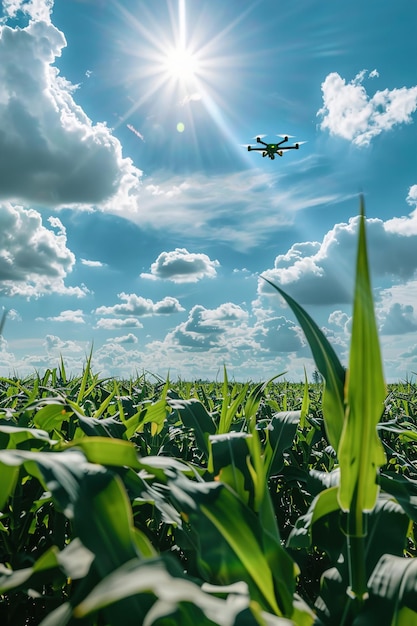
<point>328,365</point>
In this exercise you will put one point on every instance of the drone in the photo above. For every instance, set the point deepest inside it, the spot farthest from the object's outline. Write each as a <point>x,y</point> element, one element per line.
<point>271,149</point>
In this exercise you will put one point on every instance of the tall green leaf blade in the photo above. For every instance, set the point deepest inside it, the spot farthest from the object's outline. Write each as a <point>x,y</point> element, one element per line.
<point>3,320</point>
<point>306,402</point>
<point>360,450</point>
<point>328,365</point>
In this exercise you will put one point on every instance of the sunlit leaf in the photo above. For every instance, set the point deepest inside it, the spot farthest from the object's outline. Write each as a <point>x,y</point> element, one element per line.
<point>169,590</point>
<point>108,451</point>
<point>360,451</point>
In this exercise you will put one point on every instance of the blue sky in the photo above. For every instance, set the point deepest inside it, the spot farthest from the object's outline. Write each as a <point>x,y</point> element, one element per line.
<point>134,220</point>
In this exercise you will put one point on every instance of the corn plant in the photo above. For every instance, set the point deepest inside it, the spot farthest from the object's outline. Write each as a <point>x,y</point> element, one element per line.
<point>352,406</point>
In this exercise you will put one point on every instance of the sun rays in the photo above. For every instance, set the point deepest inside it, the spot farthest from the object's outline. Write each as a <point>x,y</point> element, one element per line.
<point>184,66</point>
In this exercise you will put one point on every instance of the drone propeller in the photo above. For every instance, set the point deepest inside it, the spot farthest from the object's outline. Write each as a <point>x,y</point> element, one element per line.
<point>289,136</point>
<point>260,136</point>
<point>300,143</point>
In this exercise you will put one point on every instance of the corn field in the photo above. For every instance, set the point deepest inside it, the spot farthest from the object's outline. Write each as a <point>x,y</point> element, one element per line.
<point>181,503</point>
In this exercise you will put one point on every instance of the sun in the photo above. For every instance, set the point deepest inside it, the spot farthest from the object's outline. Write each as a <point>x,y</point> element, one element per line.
<point>185,61</point>
<point>181,64</point>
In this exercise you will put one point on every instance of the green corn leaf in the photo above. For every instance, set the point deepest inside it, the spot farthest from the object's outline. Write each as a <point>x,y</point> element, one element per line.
<point>404,491</point>
<point>360,450</point>
<point>328,365</point>
<point>18,435</point>
<point>231,543</point>
<point>229,406</point>
<point>9,476</point>
<point>62,372</point>
<point>74,561</point>
<point>108,451</point>
<point>229,452</point>
<point>281,431</point>
<point>323,504</point>
<point>51,416</point>
<point>306,403</point>
<point>255,396</point>
<point>177,599</point>
<point>194,415</point>
<point>392,592</point>
<point>104,405</point>
<point>85,378</point>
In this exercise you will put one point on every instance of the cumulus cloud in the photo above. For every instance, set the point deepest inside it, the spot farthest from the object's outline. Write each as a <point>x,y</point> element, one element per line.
<point>406,225</point>
<point>117,322</point>
<point>349,112</point>
<point>322,273</point>
<point>35,9</point>
<point>52,152</point>
<point>181,266</point>
<point>34,260</point>
<point>139,306</point>
<point>277,334</point>
<point>340,320</point>
<point>205,327</point>
<point>399,319</point>
<point>129,338</point>
<point>73,316</point>
<point>55,344</point>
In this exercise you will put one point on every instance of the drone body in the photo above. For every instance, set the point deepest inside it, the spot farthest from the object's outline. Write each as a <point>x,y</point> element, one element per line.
<point>271,149</point>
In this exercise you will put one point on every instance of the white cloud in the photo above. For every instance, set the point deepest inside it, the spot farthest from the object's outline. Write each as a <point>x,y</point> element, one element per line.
<point>38,10</point>
<point>139,306</point>
<point>129,338</point>
<point>405,292</point>
<point>278,334</point>
<point>406,226</point>
<point>52,152</point>
<point>73,316</point>
<point>323,273</point>
<point>240,208</point>
<point>399,319</point>
<point>113,323</point>
<point>181,266</point>
<point>54,344</point>
<point>92,263</point>
<point>34,260</point>
<point>340,320</point>
<point>208,328</point>
<point>349,112</point>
